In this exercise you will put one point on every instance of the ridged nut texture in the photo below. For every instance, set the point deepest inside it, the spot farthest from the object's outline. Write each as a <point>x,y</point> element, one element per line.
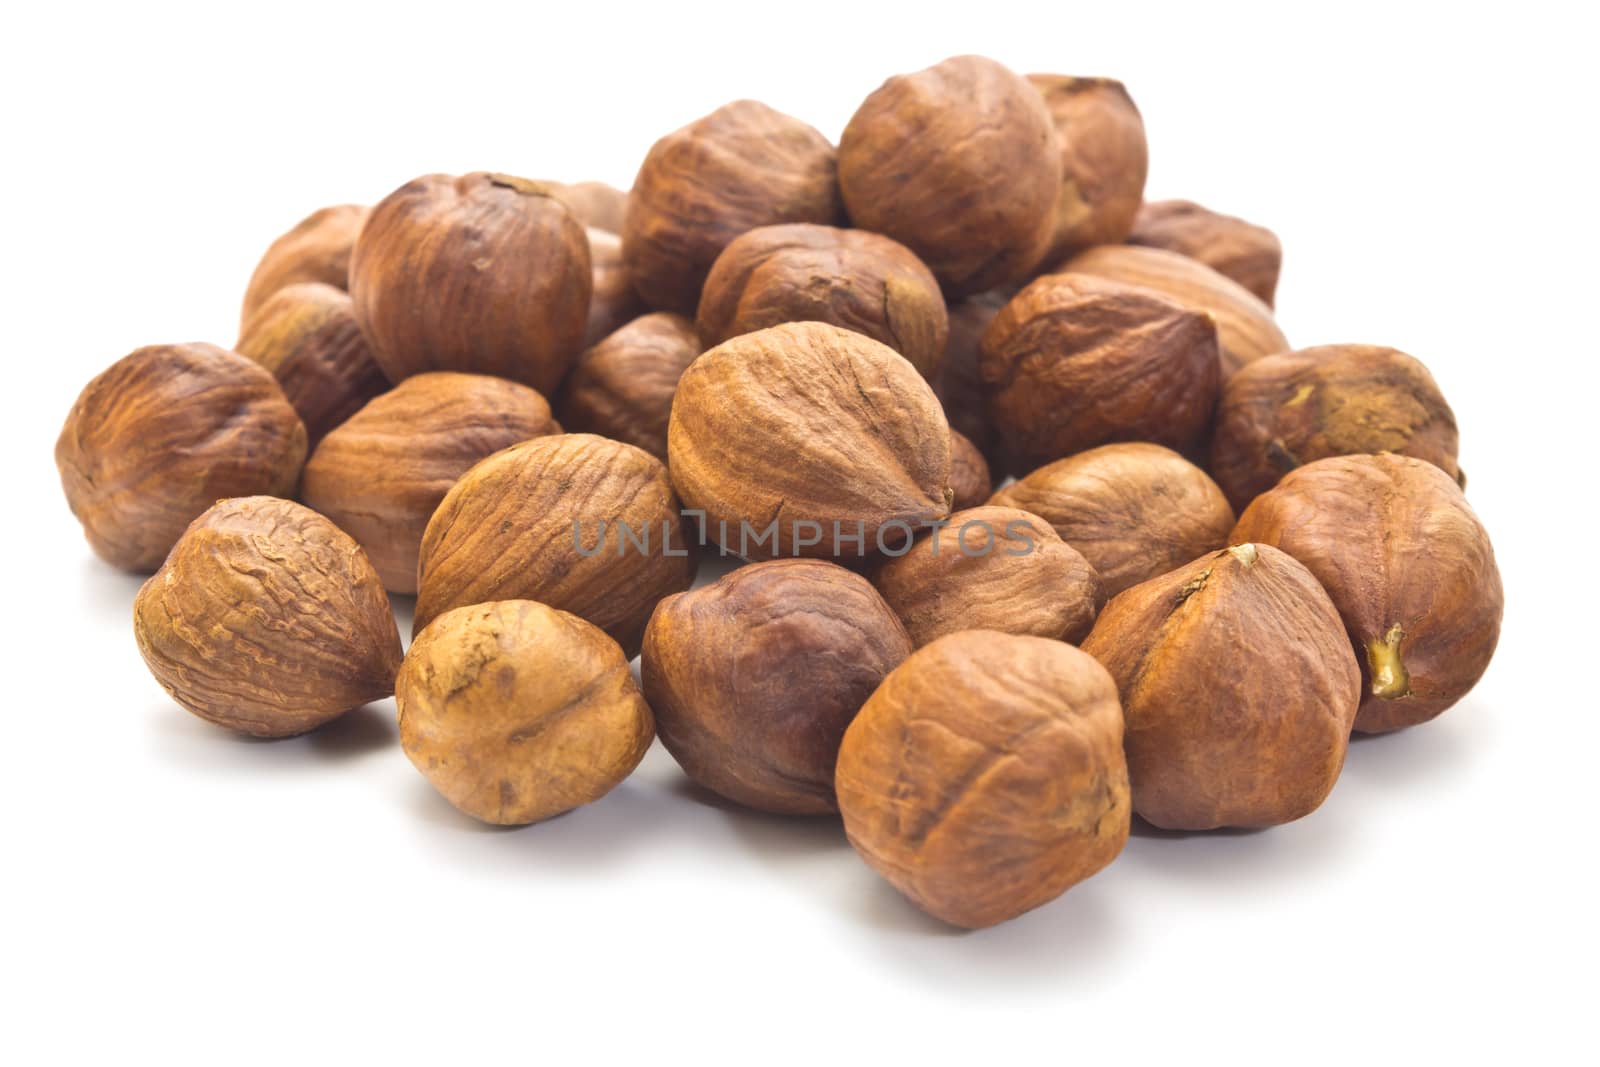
<point>807,273</point>
<point>1249,254</point>
<point>1409,567</point>
<point>1334,400</point>
<point>267,619</point>
<point>740,167</point>
<point>316,250</point>
<point>613,303</point>
<point>960,163</point>
<point>985,777</point>
<point>381,475</point>
<point>754,678</point>
<point>543,521</point>
<point>485,273</point>
<point>1238,687</point>
<point>1134,510</point>
<point>970,482</point>
<point>1104,160</point>
<point>623,386</point>
<point>164,433</point>
<point>807,423</point>
<point>992,569</point>
<point>516,712</point>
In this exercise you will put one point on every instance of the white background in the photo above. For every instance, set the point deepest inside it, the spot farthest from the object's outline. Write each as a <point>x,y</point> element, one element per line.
<point>176,892</point>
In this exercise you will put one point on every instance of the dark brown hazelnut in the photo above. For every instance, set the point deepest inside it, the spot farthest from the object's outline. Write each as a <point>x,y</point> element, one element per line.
<point>985,777</point>
<point>164,433</point>
<point>381,475</point>
<point>1238,686</point>
<point>614,304</point>
<point>959,163</point>
<point>623,386</point>
<point>1134,510</point>
<point>960,384</point>
<point>316,250</point>
<point>1409,567</point>
<point>807,273</point>
<point>1243,251</point>
<point>969,474</point>
<point>742,166</point>
<point>1104,160</point>
<point>486,273</point>
<point>1333,400</point>
<point>992,569</point>
<point>1075,361</point>
<point>754,678</point>
<point>595,205</point>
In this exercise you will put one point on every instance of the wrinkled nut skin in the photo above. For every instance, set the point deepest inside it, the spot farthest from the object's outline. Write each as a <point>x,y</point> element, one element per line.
<point>1134,510</point>
<point>960,163</point>
<point>992,569</point>
<point>381,475</point>
<point>1245,326</point>
<point>525,524</point>
<point>754,678</point>
<point>806,273</point>
<point>485,273</point>
<point>1249,254</point>
<point>267,619</point>
<point>596,205</point>
<point>960,384</point>
<point>613,304</point>
<point>316,250</point>
<point>740,167</point>
<point>1104,160</point>
<point>623,386</point>
<point>969,474</point>
<point>807,423</point>
<point>1075,361</point>
<point>1334,400</point>
<point>516,712</point>
<point>164,433</point>
<point>985,777</point>
<point>1409,567</point>
<point>306,335</point>
<point>1238,687</point>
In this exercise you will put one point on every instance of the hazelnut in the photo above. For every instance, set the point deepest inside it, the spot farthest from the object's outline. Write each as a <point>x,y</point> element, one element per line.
<point>382,474</point>
<point>803,272</point>
<point>960,384</point>
<point>164,433</point>
<point>306,335</point>
<point>754,678</point>
<point>742,166</point>
<point>1238,686</point>
<point>969,474</point>
<point>1104,159</point>
<point>613,304</point>
<point>1243,251</point>
<point>1134,510</point>
<point>622,387</point>
<point>1333,400</point>
<point>316,250</point>
<point>1245,326</point>
<point>1075,361</point>
<point>484,273</point>
<point>516,712</point>
<point>960,163</point>
<point>267,619</point>
<point>808,438</point>
<point>992,569</point>
<point>985,776</point>
<point>1409,567</point>
<point>596,205</point>
<point>578,522</point>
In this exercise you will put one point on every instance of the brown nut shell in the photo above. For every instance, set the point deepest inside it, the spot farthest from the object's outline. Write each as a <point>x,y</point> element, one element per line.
<point>485,273</point>
<point>970,483</point>
<point>985,776</point>
<point>1134,510</point>
<point>516,712</point>
<point>1333,400</point>
<point>623,386</point>
<point>596,205</point>
<point>754,678</point>
<point>543,520</point>
<point>1409,567</point>
<point>960,384</point>
<point>807,273</point>
<point>381,475</point>
<point>1238,686</point>
<point>316,250</point>
<point>613,304</point>
<point>801,427</point>
<point>164,433</point>
<point>960,163</point>
<point>1104,160</point>
<point>992,569</point>
<point>267,619</point>
<point>1249,254</point>
<point>740,167</point>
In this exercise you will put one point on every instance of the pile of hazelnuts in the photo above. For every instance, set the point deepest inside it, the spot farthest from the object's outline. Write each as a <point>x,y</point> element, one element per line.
<point>537,407</point>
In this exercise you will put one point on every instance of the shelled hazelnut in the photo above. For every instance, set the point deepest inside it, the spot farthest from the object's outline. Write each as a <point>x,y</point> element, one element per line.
<point>970,483</point>
<point>613,303</point>
<point>960,384</point>
<point>316,250</point>
<point>1249,254</point>
<point>596,205</point>
<point>1104,160</point>
<point>623,386</point>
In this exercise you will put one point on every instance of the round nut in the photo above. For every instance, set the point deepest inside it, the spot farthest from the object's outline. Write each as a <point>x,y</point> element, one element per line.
<point>614,304</point>
<point>623,386</point>
<point>1104,160</point>
<point>969,474</point>
<point>316,250</point>
<point>1234,248</point>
